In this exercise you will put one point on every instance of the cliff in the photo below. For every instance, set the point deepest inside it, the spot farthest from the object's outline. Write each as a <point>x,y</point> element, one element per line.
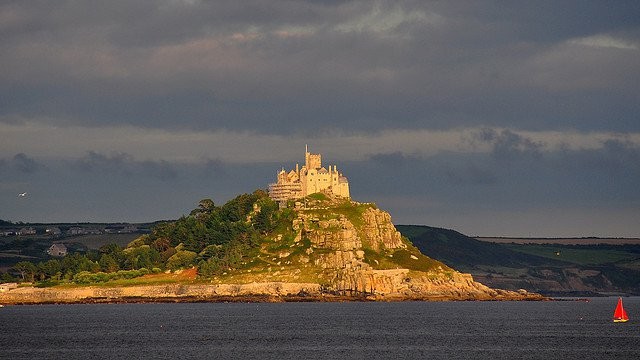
<point>328,249</point>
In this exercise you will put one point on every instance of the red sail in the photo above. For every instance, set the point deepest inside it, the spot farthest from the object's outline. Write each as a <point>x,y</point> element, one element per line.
<point>619,315</point>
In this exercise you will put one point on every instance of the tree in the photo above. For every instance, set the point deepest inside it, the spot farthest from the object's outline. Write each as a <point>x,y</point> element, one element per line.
<point>141,257</point>
<point>26,269</point>
<point>205,207</point>
<point>75,263</point>
<point>181,259</point>
<point>161,244</point>
<point>108,263</point>
<point>6,277</point>
<point>50,269</point>
<point>115,252</point>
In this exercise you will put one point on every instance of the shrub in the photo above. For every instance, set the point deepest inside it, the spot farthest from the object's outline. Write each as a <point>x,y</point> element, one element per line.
<point>181,259</point>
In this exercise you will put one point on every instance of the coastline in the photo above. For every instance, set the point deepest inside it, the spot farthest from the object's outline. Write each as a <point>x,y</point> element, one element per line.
<point>254,292</point>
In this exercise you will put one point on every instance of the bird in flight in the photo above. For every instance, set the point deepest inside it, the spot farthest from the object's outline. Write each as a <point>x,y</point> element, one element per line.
<point>22,194</point>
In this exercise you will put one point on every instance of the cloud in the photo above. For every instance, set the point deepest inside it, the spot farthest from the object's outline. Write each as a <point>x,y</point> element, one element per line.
<point>605,41</point>
<point>508,145</point>
<point>473,192</point>
<point>620,160</point>
<point>116,162</point>
<point>309,67</point>
<point>387,20</point>
<point>46,141</point>
<point>25,164</point>
<point>213,167</point>
<point>445,110</point>
<point>162,170</point>
<point>124,164</point>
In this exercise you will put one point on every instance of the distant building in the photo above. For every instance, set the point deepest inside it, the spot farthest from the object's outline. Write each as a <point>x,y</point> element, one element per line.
<point>9,232</point>
<point>309,179</point>
<point>27,231</point>
<point>53,231</point>
<point>128,229</point>
<point>93,231</point>
<point>76,230</point>
<point>79,230</point>
<point>57,249</point>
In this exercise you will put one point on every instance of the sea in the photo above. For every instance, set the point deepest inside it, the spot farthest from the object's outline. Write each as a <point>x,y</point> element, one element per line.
<point>573,329</point>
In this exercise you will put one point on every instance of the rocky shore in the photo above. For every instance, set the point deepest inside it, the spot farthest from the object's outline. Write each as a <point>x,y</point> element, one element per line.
<point>255,292</point>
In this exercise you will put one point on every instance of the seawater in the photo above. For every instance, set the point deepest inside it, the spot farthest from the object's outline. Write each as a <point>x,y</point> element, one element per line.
<point>408,330</point>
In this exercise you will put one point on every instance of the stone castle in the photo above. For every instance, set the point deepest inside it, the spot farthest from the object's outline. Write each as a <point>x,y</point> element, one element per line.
<point>309,179</point>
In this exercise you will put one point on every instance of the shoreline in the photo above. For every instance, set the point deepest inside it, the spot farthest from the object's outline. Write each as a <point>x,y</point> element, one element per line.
<point>233,293</point>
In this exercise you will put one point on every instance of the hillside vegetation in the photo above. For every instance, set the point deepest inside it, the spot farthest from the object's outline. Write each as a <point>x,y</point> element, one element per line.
<point>552,269</point>
<point>247,239</point>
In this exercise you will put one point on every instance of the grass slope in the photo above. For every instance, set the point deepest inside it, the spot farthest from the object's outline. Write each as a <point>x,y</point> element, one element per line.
<point>462,252</point>
<point>585,269</point>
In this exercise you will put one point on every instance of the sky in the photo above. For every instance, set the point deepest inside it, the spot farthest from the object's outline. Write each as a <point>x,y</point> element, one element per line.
<point>517,118</point>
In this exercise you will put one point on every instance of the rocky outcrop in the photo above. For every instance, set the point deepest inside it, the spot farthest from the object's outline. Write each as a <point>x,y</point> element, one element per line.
<point>379,230</point>
<point>335,234</point>
<point>391,281</point>
<point>338,248</point>
<point>170,292</point>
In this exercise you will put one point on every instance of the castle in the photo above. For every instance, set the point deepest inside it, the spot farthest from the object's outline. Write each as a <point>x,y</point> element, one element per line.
<point>309,179</point>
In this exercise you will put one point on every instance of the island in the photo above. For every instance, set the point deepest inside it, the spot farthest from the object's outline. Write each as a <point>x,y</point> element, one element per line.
<point>303,240</point>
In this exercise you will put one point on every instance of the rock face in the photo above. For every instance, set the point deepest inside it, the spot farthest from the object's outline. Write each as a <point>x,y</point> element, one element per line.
<point>379,230</point>
<point>335,234</point>
<point>355,244</point>
<point>171,292</point>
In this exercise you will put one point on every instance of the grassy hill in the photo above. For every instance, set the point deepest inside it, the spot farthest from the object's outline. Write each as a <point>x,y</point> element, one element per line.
<point>465,253</point>
<point>552,269</point>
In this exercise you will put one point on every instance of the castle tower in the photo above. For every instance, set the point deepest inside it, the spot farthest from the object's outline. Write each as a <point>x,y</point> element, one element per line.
<point>312,161</point>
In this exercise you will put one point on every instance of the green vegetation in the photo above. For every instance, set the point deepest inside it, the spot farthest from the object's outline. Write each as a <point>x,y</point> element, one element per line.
<point>413,259</point>
<point>109,259</point>
<point>214,239</point>
<point>552,269</point>
<point>462,252</point>
<point>575,254</point>
<point>319,197</point>
<point>87,277</point>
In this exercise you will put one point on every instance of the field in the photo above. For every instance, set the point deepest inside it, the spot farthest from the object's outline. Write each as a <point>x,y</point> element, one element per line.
<point>576,254</point>
<point>563,241</point>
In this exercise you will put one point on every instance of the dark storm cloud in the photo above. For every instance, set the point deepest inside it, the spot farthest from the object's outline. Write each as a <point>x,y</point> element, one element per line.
<point>358,77</point>
<point>506,144</point>
<point>516,174</point>
<point>283,67</point>
<point>114,163</point>
<point>23,164</point>
<point>472,192</point>
<point>213,167</point>
<point>124,164</point>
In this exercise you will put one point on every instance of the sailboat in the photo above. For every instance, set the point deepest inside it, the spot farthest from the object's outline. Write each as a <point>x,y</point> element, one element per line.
<point>619,315</point>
